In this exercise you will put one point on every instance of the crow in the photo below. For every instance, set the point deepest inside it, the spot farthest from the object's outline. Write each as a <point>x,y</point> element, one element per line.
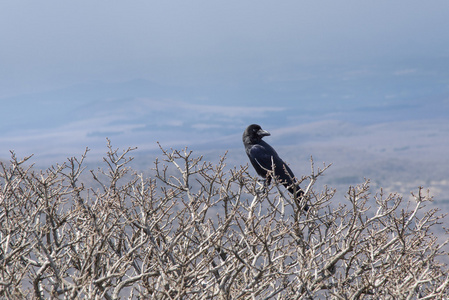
<point>264,159</point>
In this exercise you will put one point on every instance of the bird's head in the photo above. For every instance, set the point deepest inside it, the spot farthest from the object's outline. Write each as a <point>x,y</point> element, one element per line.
<point>254,133</point>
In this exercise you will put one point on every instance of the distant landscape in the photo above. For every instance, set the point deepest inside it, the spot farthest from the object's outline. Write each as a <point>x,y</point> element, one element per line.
<point>390,125</point>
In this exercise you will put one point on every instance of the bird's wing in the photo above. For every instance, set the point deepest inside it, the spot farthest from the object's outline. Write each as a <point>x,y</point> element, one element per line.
<point>262,156</point>
<point>266,156</point>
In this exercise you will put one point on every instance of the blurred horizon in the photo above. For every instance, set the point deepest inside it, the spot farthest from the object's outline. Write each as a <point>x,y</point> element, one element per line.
<point>60,123</point>
<point>364,85</point>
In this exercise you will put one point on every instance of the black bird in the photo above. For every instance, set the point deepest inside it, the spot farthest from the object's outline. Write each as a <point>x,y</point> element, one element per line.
<point>264,158</point>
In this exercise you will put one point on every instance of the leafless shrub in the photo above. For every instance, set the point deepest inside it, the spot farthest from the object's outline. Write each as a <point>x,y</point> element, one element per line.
<point>198,230</point>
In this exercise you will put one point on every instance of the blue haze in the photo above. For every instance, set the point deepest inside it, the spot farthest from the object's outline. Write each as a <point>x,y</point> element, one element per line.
<point>364,85</point>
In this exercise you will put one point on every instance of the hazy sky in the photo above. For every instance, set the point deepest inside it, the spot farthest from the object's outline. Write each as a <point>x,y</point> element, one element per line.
<point>47,44</point>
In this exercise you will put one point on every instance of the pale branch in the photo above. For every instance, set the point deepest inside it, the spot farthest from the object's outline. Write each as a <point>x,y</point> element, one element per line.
<point>200,230</point>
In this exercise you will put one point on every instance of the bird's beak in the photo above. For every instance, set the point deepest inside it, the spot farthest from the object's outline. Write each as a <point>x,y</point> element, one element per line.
<point>262,133</point>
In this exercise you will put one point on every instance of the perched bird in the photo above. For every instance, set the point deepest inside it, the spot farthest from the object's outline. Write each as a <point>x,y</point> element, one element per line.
<point>265,159</point>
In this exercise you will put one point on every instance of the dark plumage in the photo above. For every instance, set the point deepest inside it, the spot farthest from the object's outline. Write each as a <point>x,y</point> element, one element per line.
<point>262,156</point>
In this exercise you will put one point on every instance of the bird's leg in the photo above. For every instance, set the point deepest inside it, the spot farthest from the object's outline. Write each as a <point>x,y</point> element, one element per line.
<point>264,184</point>
<point>267,181</point>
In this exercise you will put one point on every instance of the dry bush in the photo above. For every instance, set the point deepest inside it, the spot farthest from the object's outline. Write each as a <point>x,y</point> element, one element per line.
<point>198,230</point>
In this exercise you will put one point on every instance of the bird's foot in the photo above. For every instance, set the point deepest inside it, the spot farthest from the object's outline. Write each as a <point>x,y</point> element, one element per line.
<point>262,189</point>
